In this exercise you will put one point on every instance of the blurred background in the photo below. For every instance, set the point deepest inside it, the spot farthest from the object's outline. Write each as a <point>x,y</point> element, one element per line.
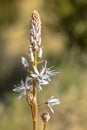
<point>64,37</point>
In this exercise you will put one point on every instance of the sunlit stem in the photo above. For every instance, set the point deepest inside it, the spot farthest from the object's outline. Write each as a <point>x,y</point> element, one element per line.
<point>45,124</point>
<point>32,111</point>
<point>35,106</point>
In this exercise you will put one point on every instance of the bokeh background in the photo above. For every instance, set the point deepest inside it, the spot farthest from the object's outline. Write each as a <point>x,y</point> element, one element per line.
<point>64,37</point>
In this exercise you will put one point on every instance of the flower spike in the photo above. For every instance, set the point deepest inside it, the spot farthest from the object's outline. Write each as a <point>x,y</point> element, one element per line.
<point>35,30</point>
<point>37,77</point>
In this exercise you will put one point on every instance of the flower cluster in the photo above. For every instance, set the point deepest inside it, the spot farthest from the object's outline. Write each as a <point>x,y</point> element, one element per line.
<point>42,78</point>
<point>37,78</point>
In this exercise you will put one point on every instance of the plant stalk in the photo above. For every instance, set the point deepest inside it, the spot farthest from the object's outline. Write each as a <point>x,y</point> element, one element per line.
<point>35,107</point>
<point>44,128</point>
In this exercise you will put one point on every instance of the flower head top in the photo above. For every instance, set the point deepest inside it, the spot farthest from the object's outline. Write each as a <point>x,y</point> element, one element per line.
<point>23,87</point>
<point>35,30</point>
<point>35,36</point>
<point>51,102</point>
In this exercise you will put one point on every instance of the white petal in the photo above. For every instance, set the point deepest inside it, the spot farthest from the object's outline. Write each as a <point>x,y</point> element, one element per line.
<point>28,83</point>
<point>46,77</point>
<point>29,87</point>
<point>45,63</point>
<point>42,72</point>
<point>53,101</point>
<point>36,70</point>
<point>22,83</point>
<point>39,88</point>
<point>24,62</point>
<point>34,75</point>
<point>18,89</point>
<point>49,79</point>
<point>27,80</point>
<point>51,108</point>
<point>22,94</point>
<point>43,82</point>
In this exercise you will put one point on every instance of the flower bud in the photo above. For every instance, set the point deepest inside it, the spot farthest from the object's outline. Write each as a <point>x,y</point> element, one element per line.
<point>40,53</point>
<point>31,54</point>
<point>31,99</point>
<point>45,117</point>
<point>35,30</point>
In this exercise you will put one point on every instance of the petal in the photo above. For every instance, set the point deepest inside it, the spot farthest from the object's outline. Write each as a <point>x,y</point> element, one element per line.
<point>24,62</point>
<point>45,63</point>
<point>29,87</point>
<point>53,101</point>
<point>34,75</point>
<point>51,109</point>
<point>22,83</point>
<point>28,83</point>
<point>42,72</point>
<point>43,82</point>
<point>18,89</point>
<point>22,94</point>
<point>36,70</point>
<point>39,88</point>
<point>45,77</point>
<point>27,80</point>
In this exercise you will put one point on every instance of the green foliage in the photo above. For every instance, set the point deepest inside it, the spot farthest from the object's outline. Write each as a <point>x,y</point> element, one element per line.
<point>69,17</point>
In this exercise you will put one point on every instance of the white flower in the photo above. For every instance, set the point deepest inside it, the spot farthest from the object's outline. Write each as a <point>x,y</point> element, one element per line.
<point>40,75</point>
<point>23,87</point>
<point>24,62</point>
<point>41,78</point>
<point>51,102</point>
<point>40,83</point>
<point>48,72</point>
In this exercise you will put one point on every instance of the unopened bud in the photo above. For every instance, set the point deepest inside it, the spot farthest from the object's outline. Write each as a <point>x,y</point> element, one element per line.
<point>31,54</point>
<point>31,99</point>
<point>45,117</point>
<point>40,52</point>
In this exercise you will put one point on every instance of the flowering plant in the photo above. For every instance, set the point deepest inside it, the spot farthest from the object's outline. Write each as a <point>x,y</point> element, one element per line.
<point>36,79</point>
